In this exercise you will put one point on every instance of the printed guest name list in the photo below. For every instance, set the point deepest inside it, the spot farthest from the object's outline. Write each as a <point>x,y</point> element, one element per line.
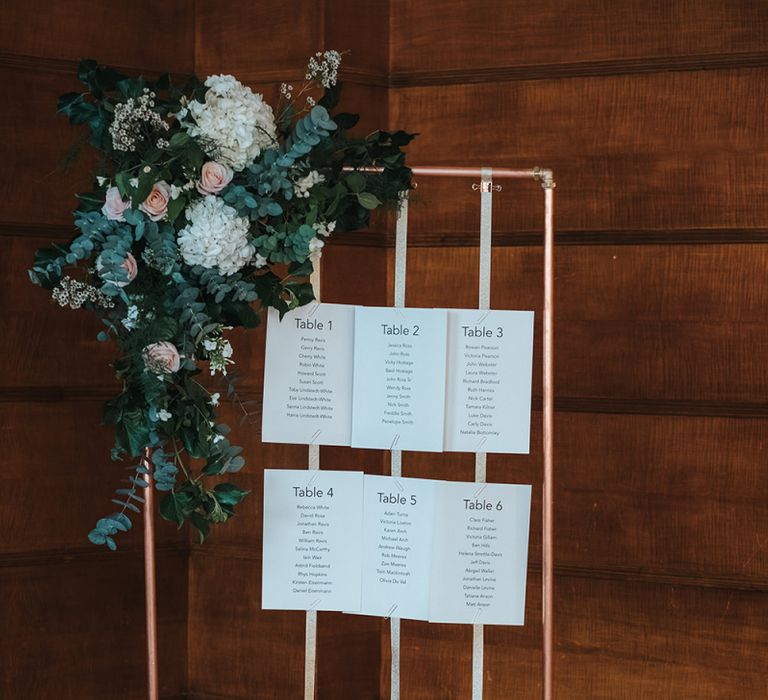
<point>308,376</point>
<point>312,540</point>
<point>480,553</point>
<point>488,392</point>
<point>399,378</point>
<point>397,546</point>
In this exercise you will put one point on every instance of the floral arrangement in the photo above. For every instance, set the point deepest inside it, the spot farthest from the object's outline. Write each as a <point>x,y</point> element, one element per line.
<point>208,206</point>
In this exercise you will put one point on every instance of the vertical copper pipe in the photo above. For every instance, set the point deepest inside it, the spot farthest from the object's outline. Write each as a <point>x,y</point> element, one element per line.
<point>548,442</point>
<point>150,586</point>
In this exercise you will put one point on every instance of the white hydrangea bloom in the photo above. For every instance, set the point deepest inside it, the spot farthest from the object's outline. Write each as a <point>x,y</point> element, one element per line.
<point>216,236</point>
<point>234,120</point>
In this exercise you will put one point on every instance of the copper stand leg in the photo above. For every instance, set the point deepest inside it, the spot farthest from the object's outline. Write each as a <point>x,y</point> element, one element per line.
<point>548,431</point>
<point>150,579</point>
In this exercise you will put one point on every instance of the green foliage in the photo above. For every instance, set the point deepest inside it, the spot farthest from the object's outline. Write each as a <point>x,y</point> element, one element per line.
<point>164,418</point>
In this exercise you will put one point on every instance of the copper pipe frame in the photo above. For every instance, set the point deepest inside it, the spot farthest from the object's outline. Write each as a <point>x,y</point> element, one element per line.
<point>150,580</point>
<point>545,177</point>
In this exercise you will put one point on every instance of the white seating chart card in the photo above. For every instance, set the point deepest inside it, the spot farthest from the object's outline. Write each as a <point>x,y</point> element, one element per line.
<point>418,549</point>
<point>480,553</point>
<point>312,540</point>
<point>308,376</point>
<point>399,378</point>
<point>488,393</point>
<point>398,519</point>
<point>376,377</point>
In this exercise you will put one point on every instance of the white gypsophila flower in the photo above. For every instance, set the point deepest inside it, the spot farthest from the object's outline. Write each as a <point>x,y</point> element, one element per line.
<point>132,119</point>
<point>303,185</point>
<point>324,67</point>
<point>175,191</point>
<point>324,228</point>
<point>234,123</point>
<point>101,180</point>
<point>216,236</point>
<point>259,260</point>
<point>73,293</point>
<point>215,398</point>
<point>164,415</point>
<point>131,317</point>
<point>134,182</point>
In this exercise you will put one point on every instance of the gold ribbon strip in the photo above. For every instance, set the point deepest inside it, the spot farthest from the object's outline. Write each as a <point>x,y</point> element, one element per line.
<point>310,635</point>
<point>483,302</point>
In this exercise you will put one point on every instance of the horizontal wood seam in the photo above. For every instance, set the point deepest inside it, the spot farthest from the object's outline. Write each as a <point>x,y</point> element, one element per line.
<point>563,404</point>
<point>580,69</point>
<point>67,66</point>
<point>410,79</point>
<point>428,239</point>
<point>651,576</point>
<point>67,555</point>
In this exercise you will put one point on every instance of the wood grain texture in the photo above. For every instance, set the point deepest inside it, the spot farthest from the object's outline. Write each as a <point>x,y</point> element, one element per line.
<point>660,151</point>
<point>651,322</point>
<point>74,629</point>
<point>138,35</point>
<point>614,641</point>
<point>67,478</point>
<point>454,35</point>
<point>72,614</point>
<point>264,657</point>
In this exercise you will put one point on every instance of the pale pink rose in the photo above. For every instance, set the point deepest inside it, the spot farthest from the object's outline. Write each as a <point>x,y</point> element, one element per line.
<point>131,268</point>
<point>214,178</point>
<point>156,204</point>
<point>115,205</point>
<point>129,265</point>
<point>162,357</point>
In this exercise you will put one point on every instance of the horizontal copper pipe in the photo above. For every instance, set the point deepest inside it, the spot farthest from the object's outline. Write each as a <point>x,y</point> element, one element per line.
<point>448,171</point>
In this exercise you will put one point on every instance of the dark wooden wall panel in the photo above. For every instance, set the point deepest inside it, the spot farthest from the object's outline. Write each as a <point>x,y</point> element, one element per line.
<point>73,626</point>
<point>615,639</point>
<point>659,323</point>
<point>649,114</point>
<point>652,116</point>
<point>665,150</point>
<point>72,614</point>
<point>467,38</point>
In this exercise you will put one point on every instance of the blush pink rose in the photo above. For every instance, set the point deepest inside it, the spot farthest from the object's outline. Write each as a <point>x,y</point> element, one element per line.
<point>129,265</point>
<point>115,205</point>
<point>131,268</point>
<point>162,357</point>
<point>214,178</point>
<point>156,204</point>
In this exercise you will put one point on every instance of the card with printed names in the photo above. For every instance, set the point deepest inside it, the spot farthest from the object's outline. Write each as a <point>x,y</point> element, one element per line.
<point>399,378</point>
<point>308,375</point>
<point>480,553</point>
<point>488,387</point>
<point>398,518</point>
<point>312,540</point>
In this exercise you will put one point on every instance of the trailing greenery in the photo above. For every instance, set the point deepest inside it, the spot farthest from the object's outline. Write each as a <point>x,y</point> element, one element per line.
<point>179,241</point>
